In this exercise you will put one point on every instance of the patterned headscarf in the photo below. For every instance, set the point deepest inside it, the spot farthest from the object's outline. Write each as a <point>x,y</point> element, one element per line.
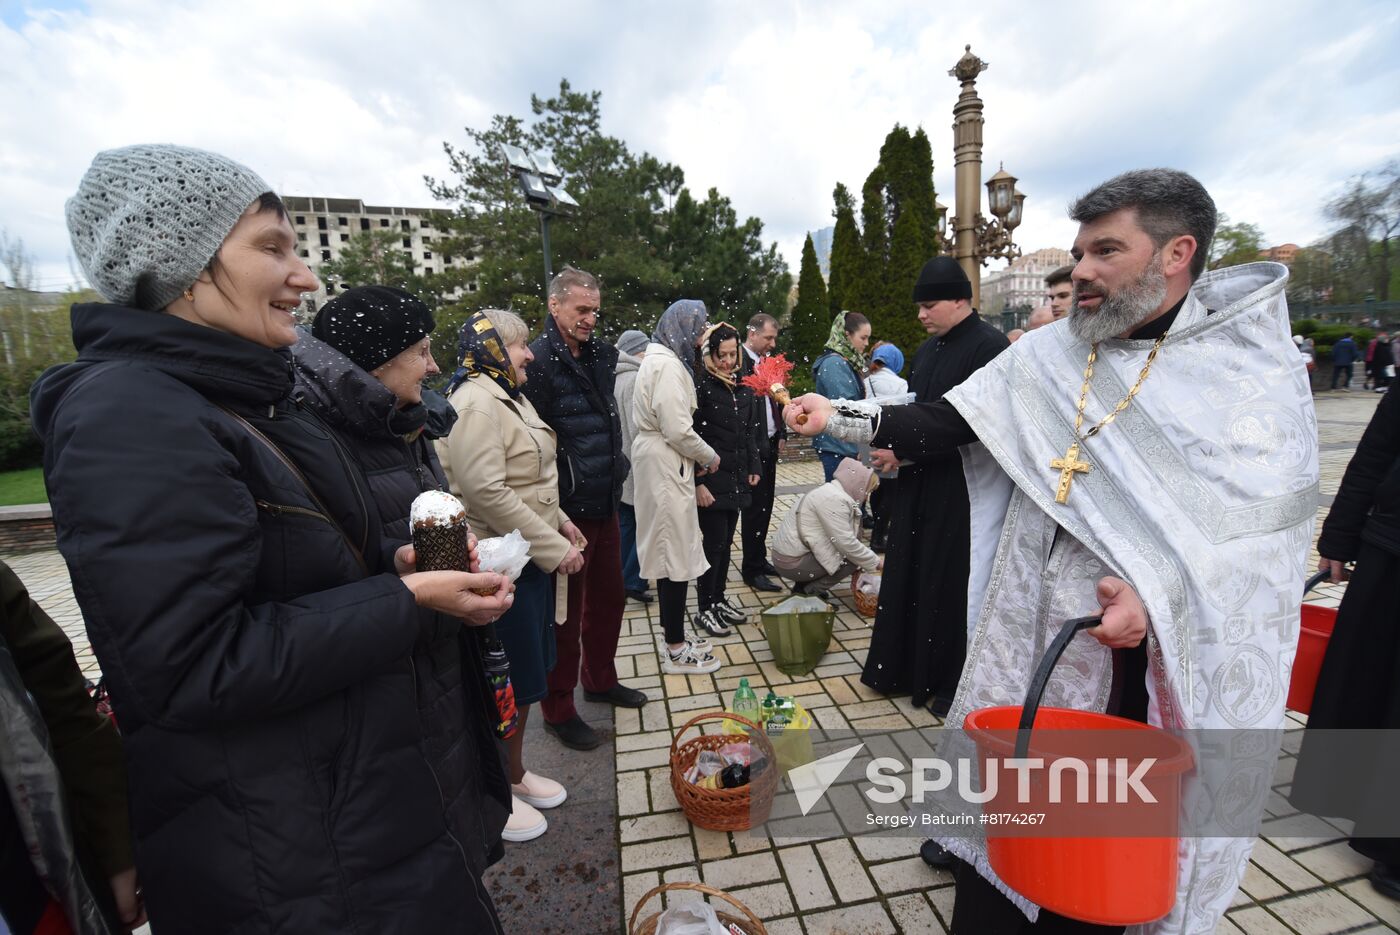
<point>679,327</point>
<point>838,342</point>
<point>708,359</point>
<point>481,350</point>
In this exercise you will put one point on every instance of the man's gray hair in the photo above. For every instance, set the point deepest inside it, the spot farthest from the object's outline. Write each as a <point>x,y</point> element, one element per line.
<point>760,321</point>
<point>567,278</point>
<point>1169,203</point>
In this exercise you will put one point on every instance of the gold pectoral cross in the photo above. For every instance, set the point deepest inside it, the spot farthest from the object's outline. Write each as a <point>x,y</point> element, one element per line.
<point>1068,466</point>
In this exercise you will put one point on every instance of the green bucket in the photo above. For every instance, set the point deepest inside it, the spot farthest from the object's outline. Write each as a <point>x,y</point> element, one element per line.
<point>798,630</point>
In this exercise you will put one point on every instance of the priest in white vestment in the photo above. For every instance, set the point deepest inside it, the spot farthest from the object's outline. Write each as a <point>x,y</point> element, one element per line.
<point>1153,458</point>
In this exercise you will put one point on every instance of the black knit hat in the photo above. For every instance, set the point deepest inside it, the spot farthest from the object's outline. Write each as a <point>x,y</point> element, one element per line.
<point>371,325</point>
<point>942,278</point>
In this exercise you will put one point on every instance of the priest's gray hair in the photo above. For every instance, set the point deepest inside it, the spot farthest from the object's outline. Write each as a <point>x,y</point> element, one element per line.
<point>569,277</point>
<point>1169,203</point>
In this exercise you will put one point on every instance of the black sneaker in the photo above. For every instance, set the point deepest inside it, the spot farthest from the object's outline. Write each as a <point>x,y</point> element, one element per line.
<point>574,734</point>
<point>641,597</point>
<point>1386,880</point>
<point>711,623</point>
<point>936,856</point>
<point>729,613</point>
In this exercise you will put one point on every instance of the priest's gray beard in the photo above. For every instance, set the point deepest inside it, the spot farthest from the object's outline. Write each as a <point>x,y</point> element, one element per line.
<point>1121,311</point>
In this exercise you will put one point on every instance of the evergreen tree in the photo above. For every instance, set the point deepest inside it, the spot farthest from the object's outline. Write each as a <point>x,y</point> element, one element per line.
<point>897,318</point>
<point>847,256</point>
<point>637,229</point>
<point>866,293</point>
<point>811,321</point>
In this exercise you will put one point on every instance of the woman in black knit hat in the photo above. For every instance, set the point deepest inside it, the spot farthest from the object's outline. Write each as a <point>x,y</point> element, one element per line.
<point>362,369</point>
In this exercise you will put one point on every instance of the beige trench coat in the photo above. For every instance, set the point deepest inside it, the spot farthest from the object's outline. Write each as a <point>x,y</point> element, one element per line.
<point>664,454</point>
<point>500,460</point>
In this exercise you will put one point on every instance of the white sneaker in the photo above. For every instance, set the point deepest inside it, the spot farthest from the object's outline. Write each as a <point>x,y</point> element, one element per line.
<point>538,791</point>
<point>729,613</point>
<point>687,661</point>
<point>698,643</point>
<point>524,823</point>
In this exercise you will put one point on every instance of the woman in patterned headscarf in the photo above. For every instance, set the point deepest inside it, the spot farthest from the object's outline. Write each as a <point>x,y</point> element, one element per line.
<point>667,455</point>
<point>499,458</point>
<point>840,374</point>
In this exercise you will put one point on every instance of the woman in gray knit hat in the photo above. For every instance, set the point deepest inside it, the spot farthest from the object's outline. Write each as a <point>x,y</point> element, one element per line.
<point>253,621</point>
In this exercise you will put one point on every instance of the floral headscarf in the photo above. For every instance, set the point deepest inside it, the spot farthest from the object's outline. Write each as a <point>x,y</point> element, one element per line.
<point>708,359</point>
<point>838,341</point>
<point>679,327</point>
<point>481,350</point>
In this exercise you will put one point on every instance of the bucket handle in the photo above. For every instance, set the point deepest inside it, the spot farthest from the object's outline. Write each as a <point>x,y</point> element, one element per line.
<point>1315,580</point>
<point>1042,678</point>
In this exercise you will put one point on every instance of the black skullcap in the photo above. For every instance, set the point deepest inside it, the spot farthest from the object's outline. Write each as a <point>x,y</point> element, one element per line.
<point>371,325</point>
<point>942,278</point>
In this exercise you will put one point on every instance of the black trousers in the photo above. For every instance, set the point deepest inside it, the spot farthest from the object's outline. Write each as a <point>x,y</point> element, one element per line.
<point>981,909</point>
<point>882,506</point>
<point>717,533</point>
<point>759,513</point>
<point>672,594</point>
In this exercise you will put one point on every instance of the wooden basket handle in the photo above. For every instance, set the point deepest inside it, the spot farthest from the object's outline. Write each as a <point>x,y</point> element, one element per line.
<point>754,920</point>
<point>757,731</point>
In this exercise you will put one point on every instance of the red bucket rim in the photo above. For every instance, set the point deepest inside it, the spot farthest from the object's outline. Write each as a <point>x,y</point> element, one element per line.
<point>996,737</point>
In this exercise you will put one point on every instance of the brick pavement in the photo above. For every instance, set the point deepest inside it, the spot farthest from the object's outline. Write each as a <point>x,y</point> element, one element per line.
<point>1304,886</point>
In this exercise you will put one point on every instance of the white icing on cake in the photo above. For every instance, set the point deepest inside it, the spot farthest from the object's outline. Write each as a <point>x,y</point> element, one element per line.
<point>437,508</point>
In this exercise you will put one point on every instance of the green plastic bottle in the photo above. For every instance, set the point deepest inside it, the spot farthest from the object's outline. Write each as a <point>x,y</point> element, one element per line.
<point>746,702</point>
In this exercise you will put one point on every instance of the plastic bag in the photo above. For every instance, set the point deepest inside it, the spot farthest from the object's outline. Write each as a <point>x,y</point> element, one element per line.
<point>798,604</point>
<point>505,555</point>
<point>690,919</point>
<point>869,583</point>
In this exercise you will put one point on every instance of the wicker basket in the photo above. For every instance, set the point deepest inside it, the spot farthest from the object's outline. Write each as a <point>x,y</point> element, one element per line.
<point>866,604</point>
<point>722,809</point>
<point>750,923</point>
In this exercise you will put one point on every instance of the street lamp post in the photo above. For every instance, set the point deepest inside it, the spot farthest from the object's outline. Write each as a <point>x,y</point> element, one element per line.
<point>539,180</point>
<point>976,239</point>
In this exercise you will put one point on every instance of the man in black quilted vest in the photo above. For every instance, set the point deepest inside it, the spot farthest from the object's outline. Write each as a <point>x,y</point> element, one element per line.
<point>571,386</point>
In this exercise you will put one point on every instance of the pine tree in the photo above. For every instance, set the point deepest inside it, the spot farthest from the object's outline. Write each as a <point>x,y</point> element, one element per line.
<point>811,322</point>
<point>847,256</point>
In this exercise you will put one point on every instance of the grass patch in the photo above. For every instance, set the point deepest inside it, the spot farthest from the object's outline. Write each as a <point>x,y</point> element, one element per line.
<point>22,487</point>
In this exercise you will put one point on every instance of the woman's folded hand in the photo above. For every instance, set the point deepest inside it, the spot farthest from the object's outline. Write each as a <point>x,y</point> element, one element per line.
<point>460,594</point>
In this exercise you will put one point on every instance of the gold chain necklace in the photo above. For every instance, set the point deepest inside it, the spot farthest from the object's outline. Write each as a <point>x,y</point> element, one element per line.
<point>1070,465</point>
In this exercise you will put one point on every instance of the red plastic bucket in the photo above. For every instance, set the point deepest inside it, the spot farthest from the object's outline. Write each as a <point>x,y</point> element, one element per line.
<point>1317,624</point>
<point>1108,877</point>
<point>1108,880</point>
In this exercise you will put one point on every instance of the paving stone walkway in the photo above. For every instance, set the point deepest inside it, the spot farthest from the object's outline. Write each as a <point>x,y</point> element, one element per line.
<point>635,837</point>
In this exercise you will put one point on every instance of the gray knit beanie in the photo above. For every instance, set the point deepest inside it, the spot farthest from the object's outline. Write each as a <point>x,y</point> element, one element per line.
<point>633,342</point>
<point>147,219</point>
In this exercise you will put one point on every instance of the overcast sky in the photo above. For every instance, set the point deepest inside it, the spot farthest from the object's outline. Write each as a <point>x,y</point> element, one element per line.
<point>1272,105</point>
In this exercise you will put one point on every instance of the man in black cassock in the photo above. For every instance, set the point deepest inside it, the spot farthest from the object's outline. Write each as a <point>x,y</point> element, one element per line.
<point>920,636</point>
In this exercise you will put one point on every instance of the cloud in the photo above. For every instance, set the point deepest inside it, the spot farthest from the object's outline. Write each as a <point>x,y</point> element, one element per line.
<point>770,103</point>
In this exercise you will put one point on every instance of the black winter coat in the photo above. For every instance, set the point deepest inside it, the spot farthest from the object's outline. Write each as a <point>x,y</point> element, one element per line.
<point>255,638</point>
<point>396,454</point>
<point>724,418</point>
<point>574,396</point>
<point>1367,506</point>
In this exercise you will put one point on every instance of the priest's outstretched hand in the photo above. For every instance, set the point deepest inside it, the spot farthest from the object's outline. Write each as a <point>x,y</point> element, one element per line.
<point>815,407</point>
<point>1124,616</point>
